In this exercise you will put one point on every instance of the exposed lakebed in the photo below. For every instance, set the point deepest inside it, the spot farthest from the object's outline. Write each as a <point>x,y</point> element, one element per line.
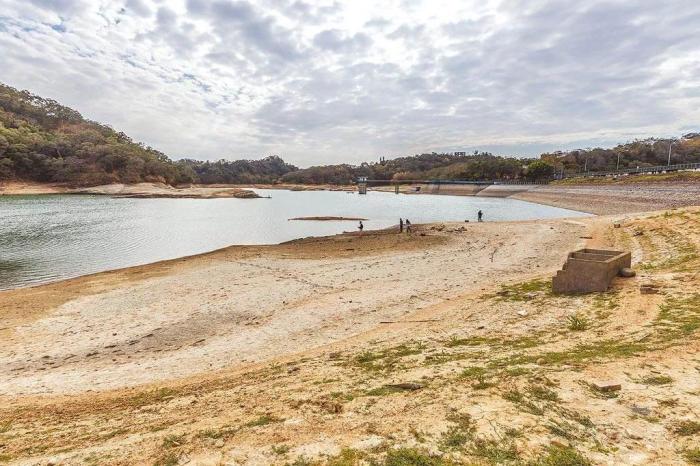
<point>51,237</point>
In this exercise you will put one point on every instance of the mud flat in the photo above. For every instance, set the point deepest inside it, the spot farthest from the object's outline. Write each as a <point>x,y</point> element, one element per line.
<point>443,345</point>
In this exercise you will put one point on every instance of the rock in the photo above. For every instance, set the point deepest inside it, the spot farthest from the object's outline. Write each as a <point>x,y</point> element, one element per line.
<point>607,387</point>
<point>219,443</point>
<point>627,272</point>
<point>648,289</point>
<point>522,313</point>
<point>616,225</point>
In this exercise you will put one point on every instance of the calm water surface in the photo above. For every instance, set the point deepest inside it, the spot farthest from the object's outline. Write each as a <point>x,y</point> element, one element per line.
<point>47,238</point>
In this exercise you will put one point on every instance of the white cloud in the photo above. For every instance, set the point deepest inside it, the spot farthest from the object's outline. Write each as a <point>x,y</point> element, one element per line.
<point>330,81</point>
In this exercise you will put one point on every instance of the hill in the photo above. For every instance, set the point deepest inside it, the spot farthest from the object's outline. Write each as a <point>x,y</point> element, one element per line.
<point>42,140</point>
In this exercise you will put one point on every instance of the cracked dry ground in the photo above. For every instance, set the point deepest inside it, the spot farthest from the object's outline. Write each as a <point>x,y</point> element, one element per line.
<point>502,374</point>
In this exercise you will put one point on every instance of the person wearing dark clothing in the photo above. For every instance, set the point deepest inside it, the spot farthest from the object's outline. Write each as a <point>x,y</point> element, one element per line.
<point>400,225</point>
<point>480,215</point>
<point>361,226</point>
<point>408,226</point>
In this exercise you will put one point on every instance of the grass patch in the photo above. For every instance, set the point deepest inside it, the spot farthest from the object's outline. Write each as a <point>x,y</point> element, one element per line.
<point>678,318</point>
<point>263,420</point>
<point>470,341</point>
<point>543,393</point>
<point>686,428</point>
<point>656,380</point>
<point>525,291</point>
<point>414,457</point>
<point>561,456</point>
<point>5,426</point>
<point>387,359</point>
<point>577,323</point>
<point>168,459</point>
<point>459,434</point>
<point>346,457</point>
<point>692,455</point>
<point>495,452</point>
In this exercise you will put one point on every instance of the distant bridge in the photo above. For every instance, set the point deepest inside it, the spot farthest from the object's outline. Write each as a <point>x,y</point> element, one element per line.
<point>434,186</point>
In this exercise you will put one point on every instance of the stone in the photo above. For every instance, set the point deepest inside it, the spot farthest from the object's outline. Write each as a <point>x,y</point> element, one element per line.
<point>522,313</point>
<point>627,272</point>
<point>607,387</point>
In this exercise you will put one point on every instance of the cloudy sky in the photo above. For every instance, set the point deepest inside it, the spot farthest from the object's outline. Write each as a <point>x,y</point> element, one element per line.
<point>331,81</point>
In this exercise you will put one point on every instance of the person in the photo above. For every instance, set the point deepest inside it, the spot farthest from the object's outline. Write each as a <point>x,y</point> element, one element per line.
<point>408,226</point>
<point>480,215</point>
<point>400,225</point>
<point>361,226</point>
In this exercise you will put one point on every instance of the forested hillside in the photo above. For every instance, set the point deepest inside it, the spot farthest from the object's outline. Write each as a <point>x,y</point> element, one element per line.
<point>42,140</point>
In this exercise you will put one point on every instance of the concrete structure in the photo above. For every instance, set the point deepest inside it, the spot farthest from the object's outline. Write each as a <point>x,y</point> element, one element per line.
<point>589,270</point>
<point>362,185</point>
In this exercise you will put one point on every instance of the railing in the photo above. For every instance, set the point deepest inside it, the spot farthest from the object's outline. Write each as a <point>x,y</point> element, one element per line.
<point>638,170</point>
<point>457,182</point>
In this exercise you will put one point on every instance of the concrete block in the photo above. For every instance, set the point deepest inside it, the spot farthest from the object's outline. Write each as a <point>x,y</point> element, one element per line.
<point>589,270</point>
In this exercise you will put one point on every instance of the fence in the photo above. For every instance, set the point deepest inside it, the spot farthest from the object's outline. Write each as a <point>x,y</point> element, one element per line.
<point>637,171</point>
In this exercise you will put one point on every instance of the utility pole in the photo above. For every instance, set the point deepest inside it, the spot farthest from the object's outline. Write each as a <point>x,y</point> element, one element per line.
<point>618,161</point>
<point>670,144</point>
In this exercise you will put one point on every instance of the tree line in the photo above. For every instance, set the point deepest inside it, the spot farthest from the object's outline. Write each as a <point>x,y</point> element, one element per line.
<point>42,140</point>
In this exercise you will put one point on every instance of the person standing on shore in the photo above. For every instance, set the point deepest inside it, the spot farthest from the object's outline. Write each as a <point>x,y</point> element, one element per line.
<point>480,216</point>
<point>400,225</point>
<point>408,226</point>
<point>360,226</point>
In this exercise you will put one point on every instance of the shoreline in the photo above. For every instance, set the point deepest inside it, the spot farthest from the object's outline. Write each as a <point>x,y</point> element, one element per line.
<point>236,350</point>
<point>593,198</point>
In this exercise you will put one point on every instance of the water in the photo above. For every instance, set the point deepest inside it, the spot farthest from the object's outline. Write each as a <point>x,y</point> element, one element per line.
<point>47,238</point>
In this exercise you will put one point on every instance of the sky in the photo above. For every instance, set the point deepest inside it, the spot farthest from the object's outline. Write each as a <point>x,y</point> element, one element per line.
<point>349,81</point>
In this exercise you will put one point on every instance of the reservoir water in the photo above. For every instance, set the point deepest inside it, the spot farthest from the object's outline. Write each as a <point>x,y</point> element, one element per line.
<point>52,237</point>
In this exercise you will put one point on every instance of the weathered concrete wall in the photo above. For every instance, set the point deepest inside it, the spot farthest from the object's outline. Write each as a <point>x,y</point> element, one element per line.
<point>589,270</point>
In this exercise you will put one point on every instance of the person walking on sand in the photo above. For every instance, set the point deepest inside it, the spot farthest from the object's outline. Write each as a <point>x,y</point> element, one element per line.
<point>480,215</point>
<point>360,226</point>
<point>400,225</point>
<point>408,226</point>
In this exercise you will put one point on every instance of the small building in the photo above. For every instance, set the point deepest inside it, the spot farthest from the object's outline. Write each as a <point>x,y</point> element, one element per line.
<point>589,270</point>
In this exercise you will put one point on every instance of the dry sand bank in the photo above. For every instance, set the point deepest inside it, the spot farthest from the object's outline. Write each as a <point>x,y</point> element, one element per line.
<point>138,190</point>
<point>443,344</point>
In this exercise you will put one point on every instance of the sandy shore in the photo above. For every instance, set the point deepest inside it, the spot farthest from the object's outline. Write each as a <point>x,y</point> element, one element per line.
<point>446,343</point>
<point>138,190</point>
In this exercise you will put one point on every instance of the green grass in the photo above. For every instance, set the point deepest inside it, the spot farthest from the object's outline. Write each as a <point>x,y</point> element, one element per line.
<point>414,457</point>
<point>577,323</point>
<point>561,456</point>
<point>459,434</point>
<point>494,451</point>
<point>525,291</point>
<point>678,318</point>
<point>281,449</point>
<point>543,393</point>
<point>656,380</point>
<point>387,359</point>
<point>168,459</point>
<point>470,341</point>
<point>686,428</point>
<point>347,457</point>
<point>263,420</point>
<point>692,455</point>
